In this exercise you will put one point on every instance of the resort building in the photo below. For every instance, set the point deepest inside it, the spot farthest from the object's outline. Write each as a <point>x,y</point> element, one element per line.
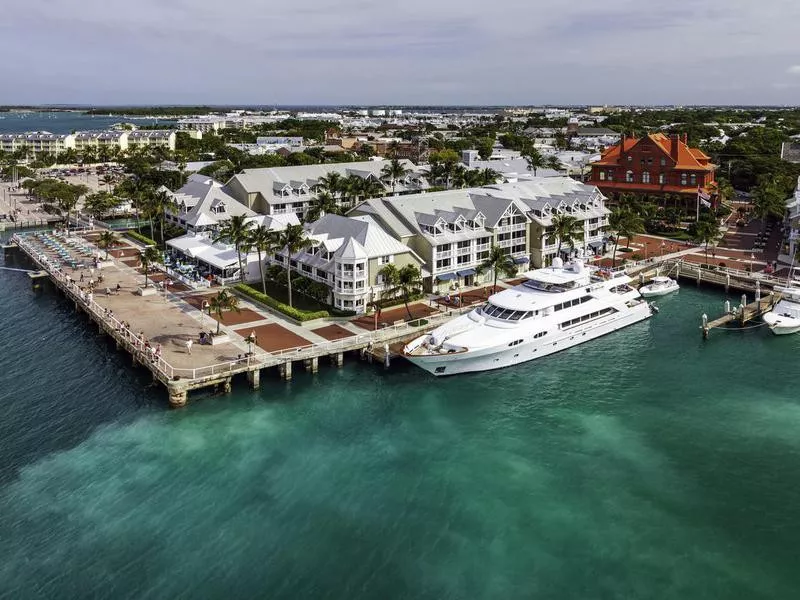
<point>655,164</point>
<point>347,256</point>
<point>454,230</point>
<point>36,144</point>
<point>202,124</point>
<point>202,204</point>
<point>151,138</point>
<point>94,140</point>
<point>792,227</point>
<point>281,190</point>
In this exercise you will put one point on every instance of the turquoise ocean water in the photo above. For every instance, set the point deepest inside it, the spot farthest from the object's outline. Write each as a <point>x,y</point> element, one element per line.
<point>647,464</point>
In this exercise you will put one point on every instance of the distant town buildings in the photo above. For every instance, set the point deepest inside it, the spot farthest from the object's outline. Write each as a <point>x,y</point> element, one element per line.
<point>654,164</point>
<point>41,143</point>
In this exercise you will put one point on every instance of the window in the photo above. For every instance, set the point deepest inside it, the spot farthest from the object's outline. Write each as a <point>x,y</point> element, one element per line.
<point>360,302</point>
<point>630,158</point>
<point>359,285</point>
<point>663,162</point>
<point>515,343</point>
<point>693,179</point>
<point>385,260</point>
<point>629,176</point>
<point>602,175</point>
<point>683,179</point>
<point>540,334</point>
<point>646,177</point>
<point>662,179</point>
<point>443,263</point>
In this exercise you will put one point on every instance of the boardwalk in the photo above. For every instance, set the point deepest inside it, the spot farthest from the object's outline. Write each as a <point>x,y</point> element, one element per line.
<point>155,328</point>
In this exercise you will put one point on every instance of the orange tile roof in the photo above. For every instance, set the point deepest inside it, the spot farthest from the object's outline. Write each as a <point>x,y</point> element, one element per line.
<point>687,157</point>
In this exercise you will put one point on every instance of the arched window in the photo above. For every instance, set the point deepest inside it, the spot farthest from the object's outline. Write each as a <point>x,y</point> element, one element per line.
<point>629,176</point>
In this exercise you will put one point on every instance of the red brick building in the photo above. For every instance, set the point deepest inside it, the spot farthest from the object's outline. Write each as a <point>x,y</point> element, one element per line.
<point>655,164</point>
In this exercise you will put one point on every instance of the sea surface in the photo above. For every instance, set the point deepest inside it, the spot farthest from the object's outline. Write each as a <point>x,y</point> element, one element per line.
<point>648,464</point>
<point>64,122</point>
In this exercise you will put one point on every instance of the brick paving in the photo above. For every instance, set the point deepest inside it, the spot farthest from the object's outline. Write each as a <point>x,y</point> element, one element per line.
<point>273,337</point>
<point>333,332</point>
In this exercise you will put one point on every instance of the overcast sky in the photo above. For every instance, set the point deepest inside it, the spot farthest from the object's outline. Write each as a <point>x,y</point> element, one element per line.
<point>400,52</point>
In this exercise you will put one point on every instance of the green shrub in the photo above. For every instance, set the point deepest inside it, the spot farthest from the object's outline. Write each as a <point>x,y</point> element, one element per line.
<point>290,311</point>
<point>140,238</point>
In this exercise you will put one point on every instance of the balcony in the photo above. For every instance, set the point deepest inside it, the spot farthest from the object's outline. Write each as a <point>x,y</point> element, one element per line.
<point>505,243</point>
<point>445,254</point>
<point>482,247</point>
<point>351,275</point>
<point>463,251</point>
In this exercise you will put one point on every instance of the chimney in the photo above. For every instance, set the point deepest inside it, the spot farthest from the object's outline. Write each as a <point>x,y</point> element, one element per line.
<point>622,146</point>
<point>673,149</point>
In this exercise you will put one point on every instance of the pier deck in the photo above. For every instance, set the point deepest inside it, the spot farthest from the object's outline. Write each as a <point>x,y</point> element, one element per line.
<point>166,319</point>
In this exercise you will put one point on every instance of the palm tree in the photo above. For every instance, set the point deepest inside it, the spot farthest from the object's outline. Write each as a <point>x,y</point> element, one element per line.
<point>163,202</point>
<point>393,171</point>
<point>499,262</point>
<point>406,281</point>
<point>221,302</point>
<point>552,162</point>
<point>489,176</point>
<point>623,222</point>
<point>323,204</point>
<point>264,241</point>
<point>706,231</point>
<point>292,240</point>
<point>331,183</point>
<point>106,240</point>
<point>107,180</point>
<point>568,230</point>
<point>235,231</point>
<point>534,159</point>
<point>147,257</point>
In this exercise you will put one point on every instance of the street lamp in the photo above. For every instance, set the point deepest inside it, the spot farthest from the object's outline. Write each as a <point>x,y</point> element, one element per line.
<point>205,306</point>
<point>251,339</point>
<point>663,244</point>
<point>752,258</point>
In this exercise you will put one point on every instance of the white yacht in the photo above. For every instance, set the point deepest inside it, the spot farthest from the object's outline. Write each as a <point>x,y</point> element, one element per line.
<point>784,318</point>
<point>555,308</point>
<point>659,286</point>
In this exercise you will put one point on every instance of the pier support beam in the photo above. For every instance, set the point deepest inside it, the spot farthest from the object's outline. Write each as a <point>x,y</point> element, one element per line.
<point>226,385</point>
<point>387,359</point>
<point>727,281</point>
<point>286,370</point>
<point>178,397</point>
<point>338,359</point>
<point>254,378</point>
<point>312,364</point>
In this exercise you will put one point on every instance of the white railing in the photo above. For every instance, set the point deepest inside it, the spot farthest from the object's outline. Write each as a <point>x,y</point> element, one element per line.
<point>192,283</point>
<point>443,254</point>
<point>226,280</point>
<point>482,247</point>
<point>463,251</point>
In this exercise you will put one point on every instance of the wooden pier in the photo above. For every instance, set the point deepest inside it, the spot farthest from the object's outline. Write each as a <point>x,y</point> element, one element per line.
<point>182,371</point>
<point>741,315</point>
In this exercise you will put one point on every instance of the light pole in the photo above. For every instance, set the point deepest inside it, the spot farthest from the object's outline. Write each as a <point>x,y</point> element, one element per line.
<point>663,244</point>
<point>203,308</point>
<point>251,339</point>
<point>752,258</point>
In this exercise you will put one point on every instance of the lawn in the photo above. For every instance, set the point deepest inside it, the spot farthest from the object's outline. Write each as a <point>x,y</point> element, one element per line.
<point>299,301</point>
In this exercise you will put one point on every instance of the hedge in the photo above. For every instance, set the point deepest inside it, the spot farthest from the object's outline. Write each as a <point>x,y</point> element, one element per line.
<point>290,311</point>
<point>140,238</point>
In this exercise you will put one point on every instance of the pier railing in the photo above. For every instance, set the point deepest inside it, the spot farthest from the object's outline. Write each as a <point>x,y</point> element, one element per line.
<point>168,372</point>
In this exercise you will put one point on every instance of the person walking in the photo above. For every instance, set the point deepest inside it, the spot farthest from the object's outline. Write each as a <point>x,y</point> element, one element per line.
<point>189,347</point>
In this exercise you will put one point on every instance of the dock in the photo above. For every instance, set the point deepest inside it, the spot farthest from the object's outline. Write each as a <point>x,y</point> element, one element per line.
<point>137,322</point>
<point>741,315</point>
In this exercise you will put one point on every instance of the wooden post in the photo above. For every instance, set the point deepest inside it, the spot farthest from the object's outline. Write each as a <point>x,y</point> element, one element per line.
<point>254,378</point>
<point>226,385</point>
<point>727,281</point>
<point>386,356</point>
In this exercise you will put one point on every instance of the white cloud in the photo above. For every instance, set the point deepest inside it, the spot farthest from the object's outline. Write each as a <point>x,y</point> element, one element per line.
<point>416,51</point>
<point>793,70</point>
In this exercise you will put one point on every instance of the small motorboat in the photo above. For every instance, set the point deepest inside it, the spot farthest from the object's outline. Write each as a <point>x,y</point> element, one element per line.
<point>784,318</point>
<point>659,286</point>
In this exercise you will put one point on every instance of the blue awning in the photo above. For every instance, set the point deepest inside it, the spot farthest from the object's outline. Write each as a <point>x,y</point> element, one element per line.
<point>596,245</point>
<point>446,276</point>
<point>521,260</point>
<point>466,272</point>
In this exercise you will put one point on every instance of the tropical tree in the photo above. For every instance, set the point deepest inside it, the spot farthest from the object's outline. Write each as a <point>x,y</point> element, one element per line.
<point>263,241</point>
<point>392,172</point>
<point>568,230</point>
<point>623,222</point>
<point>706,231</point>
<point>163,202</point>
<point>499,262</point>
<point>331,183</point>
<point>292,240</point>
<point>107,180</point>
<point>107,240</point>
<point>147,257</point>
<point>534,159</point>
<point>235,231</point>
<point>552,162</point>
<point>220,303</point>
<point>322,204</point>
<point>405,281</point>
<point>769,199</point>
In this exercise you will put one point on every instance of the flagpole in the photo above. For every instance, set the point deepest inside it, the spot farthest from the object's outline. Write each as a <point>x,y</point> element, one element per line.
<point>697,217</point>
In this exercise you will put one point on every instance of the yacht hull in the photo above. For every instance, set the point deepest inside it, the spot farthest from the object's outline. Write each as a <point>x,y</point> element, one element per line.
<point>487,359</point>
<point>781,325</point>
